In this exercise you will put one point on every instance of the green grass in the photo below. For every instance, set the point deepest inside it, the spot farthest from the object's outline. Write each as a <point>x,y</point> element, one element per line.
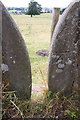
<point>36,32</point>
<point>52,106</point>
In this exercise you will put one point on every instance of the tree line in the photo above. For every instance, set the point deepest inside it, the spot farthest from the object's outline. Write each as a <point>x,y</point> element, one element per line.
<point>34,8</point>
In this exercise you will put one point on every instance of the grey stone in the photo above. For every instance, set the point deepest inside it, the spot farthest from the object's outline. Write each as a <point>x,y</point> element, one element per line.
<point>0,62</point>
<point>16,59</point>
<point>66,45</point>
<point>78,37</point>
<point>42,52</point>
<point>55,17</point>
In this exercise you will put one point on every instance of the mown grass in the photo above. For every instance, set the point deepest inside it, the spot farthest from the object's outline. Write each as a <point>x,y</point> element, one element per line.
<point>36,33</point>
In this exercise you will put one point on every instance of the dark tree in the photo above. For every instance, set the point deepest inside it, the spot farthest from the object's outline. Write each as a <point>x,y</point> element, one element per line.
<point>34,8</point>
<point>61,11</point>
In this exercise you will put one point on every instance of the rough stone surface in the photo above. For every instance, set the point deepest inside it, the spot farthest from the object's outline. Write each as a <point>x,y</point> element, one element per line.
<point>78,37</point>
<point>16,59</point>
<point>0,61</point>
<point>64,59</point>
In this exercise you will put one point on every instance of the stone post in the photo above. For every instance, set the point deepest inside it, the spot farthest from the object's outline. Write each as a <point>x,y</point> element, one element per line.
<point>0,61</point>
<point>55,17</point>
<point>78,32</point>
<point>16,67</point>
<point>64,58</point>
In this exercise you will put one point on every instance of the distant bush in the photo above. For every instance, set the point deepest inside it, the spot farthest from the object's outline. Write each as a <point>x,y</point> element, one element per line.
<point>24,12</point>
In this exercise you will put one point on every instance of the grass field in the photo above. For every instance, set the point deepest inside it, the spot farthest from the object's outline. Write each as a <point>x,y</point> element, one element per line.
<point>36,32</point>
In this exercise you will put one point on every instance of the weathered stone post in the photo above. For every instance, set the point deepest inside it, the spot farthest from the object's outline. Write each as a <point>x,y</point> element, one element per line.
<point>65,52</point>
<point>55,17</point>
<point>0,61</point>
<point>78,37</point>
<point>16,63</point>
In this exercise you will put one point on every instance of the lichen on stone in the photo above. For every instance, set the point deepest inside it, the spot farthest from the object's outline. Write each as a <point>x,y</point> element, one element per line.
<point>61,65</point>
<point>4,67</point>
<point>59,70</point>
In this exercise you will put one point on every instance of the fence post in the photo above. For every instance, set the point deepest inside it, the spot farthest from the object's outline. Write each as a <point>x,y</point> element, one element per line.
<point>55,17</point>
